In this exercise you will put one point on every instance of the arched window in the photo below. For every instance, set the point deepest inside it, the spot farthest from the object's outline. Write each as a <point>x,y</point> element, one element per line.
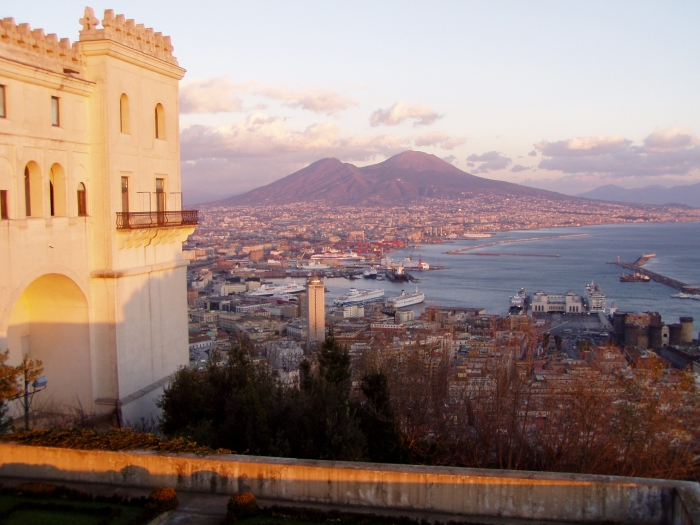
<point>27,192</point>
<point>57,191</point>
<point>33,191</point>
<point>160,121</point>
<point>124,126</point>
<point>82,200</point>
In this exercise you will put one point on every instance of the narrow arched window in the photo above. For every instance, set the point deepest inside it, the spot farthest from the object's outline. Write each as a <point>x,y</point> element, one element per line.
<point>82,200</point>
<point>27,192</point>
<point>34,190</point>
<point>51,199</point>
<point>160,121</point>
<point>124,125</point>
<point>57,191</point>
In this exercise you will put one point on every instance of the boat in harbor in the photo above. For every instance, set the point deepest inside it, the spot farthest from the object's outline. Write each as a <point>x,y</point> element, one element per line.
<point>406,299</point>
<point>635,277</point>
<point>518,302</point>
<point>595,298</point>
<point>355,296</point>
<point>686,296</point>
<point>279,290</point>
<point>370,273</point>
<point>396,274</point>
<point>313,265</point>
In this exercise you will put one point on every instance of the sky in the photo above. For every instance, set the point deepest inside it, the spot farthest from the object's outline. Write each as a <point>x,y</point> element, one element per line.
<point>566,96</point>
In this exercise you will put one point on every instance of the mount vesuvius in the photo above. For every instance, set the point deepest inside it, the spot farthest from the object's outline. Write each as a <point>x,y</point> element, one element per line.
<point>404,178</point>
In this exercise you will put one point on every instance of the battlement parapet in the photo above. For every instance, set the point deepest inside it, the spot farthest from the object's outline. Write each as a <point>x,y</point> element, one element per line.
<point>128,33</point>
<point>32,46</point>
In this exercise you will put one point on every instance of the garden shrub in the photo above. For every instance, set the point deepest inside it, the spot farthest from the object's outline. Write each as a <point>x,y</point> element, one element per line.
<point>163,499</point>
<point>240,506</point>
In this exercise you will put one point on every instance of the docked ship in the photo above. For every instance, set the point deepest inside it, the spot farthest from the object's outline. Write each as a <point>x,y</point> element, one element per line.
<point>477,235</point>
<point>518,302</point>
<point>268,290</point>
<point>396,274</point>
<point>313,265</point>
<point>355,296</point>
<point>595,298</point>
<point>410,264</point>
<point>635,277</point>
<point>370,273</point>
<point>342,258</point>
<point>406,299</point>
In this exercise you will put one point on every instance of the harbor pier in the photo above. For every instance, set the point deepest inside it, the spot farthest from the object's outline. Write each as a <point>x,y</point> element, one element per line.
<point>637,266</point>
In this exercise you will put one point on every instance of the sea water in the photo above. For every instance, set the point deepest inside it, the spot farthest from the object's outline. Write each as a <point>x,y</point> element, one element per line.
<point>488,282</point>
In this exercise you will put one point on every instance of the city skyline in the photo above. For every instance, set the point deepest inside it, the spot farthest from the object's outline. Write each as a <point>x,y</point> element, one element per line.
<point>555,96</point>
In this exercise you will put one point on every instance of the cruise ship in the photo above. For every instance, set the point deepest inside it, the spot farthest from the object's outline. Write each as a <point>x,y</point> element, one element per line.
<point>355,296</point>
<point>595,298</point>
<point>268,290</point>
<point>406,299</point>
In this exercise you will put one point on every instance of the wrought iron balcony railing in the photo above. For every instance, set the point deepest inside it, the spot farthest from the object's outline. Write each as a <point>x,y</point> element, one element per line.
<point>157,219</point>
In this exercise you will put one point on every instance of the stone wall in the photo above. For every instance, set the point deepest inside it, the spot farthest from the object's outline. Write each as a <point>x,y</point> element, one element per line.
<point>414,490</point>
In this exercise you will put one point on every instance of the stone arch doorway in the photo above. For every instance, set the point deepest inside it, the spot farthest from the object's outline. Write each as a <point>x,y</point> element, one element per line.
<point>50,322</point>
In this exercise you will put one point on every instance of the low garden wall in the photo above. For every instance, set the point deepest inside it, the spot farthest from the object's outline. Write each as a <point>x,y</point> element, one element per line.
<point>414,490</point>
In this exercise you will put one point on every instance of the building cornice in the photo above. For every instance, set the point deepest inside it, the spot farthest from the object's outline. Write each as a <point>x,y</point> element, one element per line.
<point>23,72</point>
<point>110,48</point>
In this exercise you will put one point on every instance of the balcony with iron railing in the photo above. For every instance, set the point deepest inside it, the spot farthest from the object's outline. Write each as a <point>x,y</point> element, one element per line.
<point>157,219</point>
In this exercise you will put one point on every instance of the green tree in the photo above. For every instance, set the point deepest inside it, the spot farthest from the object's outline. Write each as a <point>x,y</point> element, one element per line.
<point>323,421</point>
<point>377,421</point>
<point>233,406</point>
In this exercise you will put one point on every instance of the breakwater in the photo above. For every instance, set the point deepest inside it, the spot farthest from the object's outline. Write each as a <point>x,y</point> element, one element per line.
<point>637,266</point>
<point>462,251</point>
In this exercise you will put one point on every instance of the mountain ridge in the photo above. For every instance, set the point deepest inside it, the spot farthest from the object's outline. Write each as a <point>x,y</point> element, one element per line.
<point>688,194</point>
<point>402,179</point>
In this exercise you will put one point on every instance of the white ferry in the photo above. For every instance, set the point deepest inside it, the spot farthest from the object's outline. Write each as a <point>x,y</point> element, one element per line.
<point>406,299</point>
<point>595,298</point>
<point>268,290</point>
<point>355,296</point>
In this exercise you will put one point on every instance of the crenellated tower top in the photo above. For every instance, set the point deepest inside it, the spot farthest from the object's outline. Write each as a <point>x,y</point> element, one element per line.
<point>44,50</point>
<point>128,33</point>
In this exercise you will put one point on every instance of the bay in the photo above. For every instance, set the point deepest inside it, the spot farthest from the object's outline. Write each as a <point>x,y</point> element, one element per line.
<point>488,282</point>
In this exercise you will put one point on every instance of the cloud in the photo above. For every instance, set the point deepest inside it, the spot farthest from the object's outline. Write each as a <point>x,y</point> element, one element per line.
<point>492,160</point>
<point>258,150</point>
<point>669,140</point>
<point>672,151</point>
<point>519,167</point>
<point>220,94</point>
<point>396,114</point>
<point>318,101</point>
<point>450,158</point>
<point>533,153</point>
<point>439,139</point>
<point>583,146</point>
<point>212,95</point>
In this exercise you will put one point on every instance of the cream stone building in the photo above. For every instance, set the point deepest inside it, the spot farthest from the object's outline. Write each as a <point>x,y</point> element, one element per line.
<point>92,279</point>
<point>316,310</point>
